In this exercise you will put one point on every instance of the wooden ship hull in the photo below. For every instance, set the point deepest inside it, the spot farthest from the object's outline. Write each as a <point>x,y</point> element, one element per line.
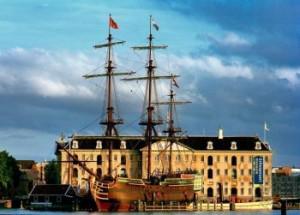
<point>125,195</point>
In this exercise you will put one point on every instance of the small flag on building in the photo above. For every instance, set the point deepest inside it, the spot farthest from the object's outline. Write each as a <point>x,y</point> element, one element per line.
<point>266,128</point>
<point>155,25</point>
<point>113,24</point>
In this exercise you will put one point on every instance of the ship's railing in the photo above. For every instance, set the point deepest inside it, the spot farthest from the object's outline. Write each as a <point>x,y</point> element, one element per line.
<point>134,181</point>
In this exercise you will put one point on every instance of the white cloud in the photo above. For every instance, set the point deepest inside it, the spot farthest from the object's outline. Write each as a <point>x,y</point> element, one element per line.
<point>212,65</point>
<point>44,73</point>
<point>277,108</point>
<point>46,87</point>
<point>58,74</point>
<point>289,74</point>
<point>233,39</point>
<point>228,39</point>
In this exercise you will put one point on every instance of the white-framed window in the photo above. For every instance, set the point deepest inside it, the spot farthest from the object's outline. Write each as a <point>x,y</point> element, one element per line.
<point>210,145</point>
<point>233,145</point>
<point>258,145</point>
<point>99,144</point>
<point>75,144</point>
<point>123,144</point>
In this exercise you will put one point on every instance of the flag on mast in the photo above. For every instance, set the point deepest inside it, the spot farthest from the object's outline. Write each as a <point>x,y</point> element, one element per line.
<point>266,128</point>
<point>113,24</point>
<point>155,25</point>
<point>174,82</point>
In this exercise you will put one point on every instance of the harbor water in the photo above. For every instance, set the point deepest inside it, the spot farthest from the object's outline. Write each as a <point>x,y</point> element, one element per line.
<point>274,212</point>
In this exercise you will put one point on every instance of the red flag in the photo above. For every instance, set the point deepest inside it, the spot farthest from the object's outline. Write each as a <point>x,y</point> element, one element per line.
<point>113,24</point>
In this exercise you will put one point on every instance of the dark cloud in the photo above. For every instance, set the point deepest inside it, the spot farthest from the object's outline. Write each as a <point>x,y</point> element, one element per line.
<point>274,26</point>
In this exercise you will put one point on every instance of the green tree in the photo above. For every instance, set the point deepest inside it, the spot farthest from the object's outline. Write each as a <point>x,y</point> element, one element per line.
<point>10,175</point>
<point>52,173</point>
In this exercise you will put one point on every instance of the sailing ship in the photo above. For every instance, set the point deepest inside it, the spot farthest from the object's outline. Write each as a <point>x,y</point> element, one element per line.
<point>123,194</point>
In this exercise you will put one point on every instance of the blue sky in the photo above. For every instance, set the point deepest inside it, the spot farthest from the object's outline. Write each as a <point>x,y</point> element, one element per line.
<point>238,62</point>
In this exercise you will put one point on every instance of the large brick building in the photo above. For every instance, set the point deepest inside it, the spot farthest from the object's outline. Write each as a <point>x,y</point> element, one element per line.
<point>232,167</point>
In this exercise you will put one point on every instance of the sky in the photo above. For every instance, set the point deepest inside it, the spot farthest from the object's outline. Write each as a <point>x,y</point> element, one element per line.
<point>238,63</point>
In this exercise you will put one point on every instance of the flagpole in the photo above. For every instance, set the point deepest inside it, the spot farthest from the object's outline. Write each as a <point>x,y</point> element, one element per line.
<point>265,131</point>
<point>109,24</point>
<point>264,134</point>
<point>150,23</point>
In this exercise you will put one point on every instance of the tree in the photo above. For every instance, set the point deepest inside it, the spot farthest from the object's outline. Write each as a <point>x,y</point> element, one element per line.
<point>10,175</point>
<point>52,173</point>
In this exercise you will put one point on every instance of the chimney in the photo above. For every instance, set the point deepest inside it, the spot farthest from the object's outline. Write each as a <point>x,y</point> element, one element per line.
<point>220,133</point>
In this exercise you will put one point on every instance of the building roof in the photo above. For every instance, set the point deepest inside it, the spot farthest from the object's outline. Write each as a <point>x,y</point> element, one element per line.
<point>243,143</point>
<point>25,164</point>
<point>52,189</point>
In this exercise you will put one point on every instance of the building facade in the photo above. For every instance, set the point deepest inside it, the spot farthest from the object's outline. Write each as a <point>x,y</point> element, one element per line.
<point>233,168</point>
<point>34,171</point>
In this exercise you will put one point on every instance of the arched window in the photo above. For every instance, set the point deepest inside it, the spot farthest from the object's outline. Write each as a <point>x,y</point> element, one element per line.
<point>233,160</point>
<point>123,160</point>
<point>99,160</point>
<point>210,192</point>
<point>99,172</point>
<point>75,172</point>
<point>210,160</point>
<point>257,192</point>
<point>233,174</point>
<point>75,159</point>
<point>210,173</point>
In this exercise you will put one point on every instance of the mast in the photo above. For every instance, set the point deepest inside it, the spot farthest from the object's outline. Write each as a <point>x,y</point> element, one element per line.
<point>171,129</point>
<point>150,108</point>
<point>110,121</point>
<point>150,122</point>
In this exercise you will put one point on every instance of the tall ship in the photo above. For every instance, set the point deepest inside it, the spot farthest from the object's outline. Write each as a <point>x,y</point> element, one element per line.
<point>120,193</point>
<point>155,171</point>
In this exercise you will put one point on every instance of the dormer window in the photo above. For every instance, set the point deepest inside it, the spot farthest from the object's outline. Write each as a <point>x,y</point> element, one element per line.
<point>210,145</point>
<point>123,144</point>
<point>99,144</point>
<point>258,145</point>
<point>233,145</point>
<point>75,144</point>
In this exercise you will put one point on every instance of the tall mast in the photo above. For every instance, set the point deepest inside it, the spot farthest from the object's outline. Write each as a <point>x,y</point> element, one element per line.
<point>171,129</point>
<point>150,108</point>
<point>150,122</point>
<point>110,122</point>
